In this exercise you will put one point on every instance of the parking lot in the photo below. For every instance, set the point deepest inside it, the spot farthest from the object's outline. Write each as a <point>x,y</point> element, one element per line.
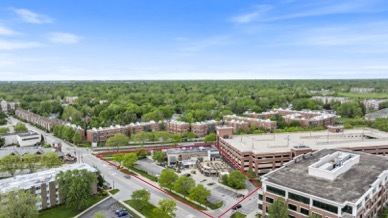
<point>149,166</point>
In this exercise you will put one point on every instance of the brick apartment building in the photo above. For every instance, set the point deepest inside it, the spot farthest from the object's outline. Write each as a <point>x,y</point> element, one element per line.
<point>201,129</point>
<point>373,104</point>
<point>151,126</point>
<point>96,135</point>
<point>266,152</point>
<point>43,122</point>
<point>177,127</point>
<point>329,99</point>
<point>329,183</point>
<point>306,118</point>
<point>8,106</point>
<point>43,184</point>
<point>241,122</point>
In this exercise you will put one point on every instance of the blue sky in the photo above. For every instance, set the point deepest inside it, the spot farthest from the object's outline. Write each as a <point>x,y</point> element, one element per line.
<point>197,39</point>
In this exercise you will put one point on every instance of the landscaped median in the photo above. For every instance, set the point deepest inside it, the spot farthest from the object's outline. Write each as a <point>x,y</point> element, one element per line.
<point>147,209</point>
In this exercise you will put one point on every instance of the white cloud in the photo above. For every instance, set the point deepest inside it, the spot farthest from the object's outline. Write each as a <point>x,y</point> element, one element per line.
<point>64,38</point>
<point>251,16</point>
<point>32,17</point>
<point>4,31</point>
<point>12,45</point>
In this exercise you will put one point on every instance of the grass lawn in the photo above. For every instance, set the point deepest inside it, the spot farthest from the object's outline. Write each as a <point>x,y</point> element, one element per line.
<point>63,212</point>
<point>114,191</point>
<point>147,210</point>
<point>237,215</point>
<point>363,95</point>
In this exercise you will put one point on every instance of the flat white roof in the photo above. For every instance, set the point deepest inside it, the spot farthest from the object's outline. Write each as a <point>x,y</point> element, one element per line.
<point>36,179</point>
<point>283,142</point>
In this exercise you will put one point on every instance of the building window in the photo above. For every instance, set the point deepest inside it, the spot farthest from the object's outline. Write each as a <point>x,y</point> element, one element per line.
<point>325,206</point>
<point>260,197</point>
<point>292,207</point>
<point>298,198</point>
<point>260,207</point>
<point>269,200</point>
<point>276,191</point>
<point>304,211</point>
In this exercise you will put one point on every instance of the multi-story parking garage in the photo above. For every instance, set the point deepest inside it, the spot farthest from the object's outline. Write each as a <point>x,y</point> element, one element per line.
<point>266,152</point>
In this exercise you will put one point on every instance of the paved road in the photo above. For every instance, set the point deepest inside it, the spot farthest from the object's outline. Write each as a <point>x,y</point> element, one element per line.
<point>115,177</point>
<point>127,186</point>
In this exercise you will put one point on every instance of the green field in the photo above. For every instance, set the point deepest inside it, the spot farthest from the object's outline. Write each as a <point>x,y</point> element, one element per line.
<point>363,95</point>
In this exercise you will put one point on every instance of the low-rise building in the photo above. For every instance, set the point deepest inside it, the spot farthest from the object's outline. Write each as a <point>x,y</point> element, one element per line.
<point>29,150</point>
<point>265,152</point>
<point>176,155</point>
<point>23,139</point>
<point>378,114</point>
<point>201,129</point>
<point>373,104</point>
<point>8,106</point>
<point>362,90</point>
<point>267,124</point>
<point>95,135</point>
<point>43,122</point>
<point>329,183</point>
<point>177,127</point>
<point>42,184</point>
<point>330,99</point>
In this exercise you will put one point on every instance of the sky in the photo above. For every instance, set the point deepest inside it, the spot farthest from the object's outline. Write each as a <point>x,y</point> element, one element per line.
<point>193,39</point>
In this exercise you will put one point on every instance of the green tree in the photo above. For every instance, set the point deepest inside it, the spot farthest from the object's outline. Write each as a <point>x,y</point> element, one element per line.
<point>191,135</point>
<point>4,130</point>
<point>68,133</point>
<point>278,209</point>
<point>159,156</point>
<point>142,195</point>
<point>129,160</point>
<point>50,160</point>
<point>167,178</point>
<point>350,110</point>
<point>199,194</point>
<point>75,187</point>
<point>19,204</point>
<point>2,142</point>
<point>99,214</point>
<point>20,127</point>
<point>31,162</point>
<point>117,140</point>
<point>118,157</point>
<point>77,138</point>
<point>210,138</point>
<point>236,179</point>
<point>167,208</point>
<point>11,163</point>
<point>183,185</point>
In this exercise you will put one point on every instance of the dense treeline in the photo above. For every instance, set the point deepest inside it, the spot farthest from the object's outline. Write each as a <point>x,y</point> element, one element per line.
<point>107,103</point>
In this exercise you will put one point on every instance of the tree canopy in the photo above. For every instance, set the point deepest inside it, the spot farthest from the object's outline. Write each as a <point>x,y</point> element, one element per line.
<point>19,204</point>
<point>167,178</point>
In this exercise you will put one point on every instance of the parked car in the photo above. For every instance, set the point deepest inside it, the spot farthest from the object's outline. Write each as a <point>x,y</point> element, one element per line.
<point>188,175</point>
<point>240,195</point>
<point>238,206</point>
<point>127,176</point>
<point>122,214</point>
<point>120,210</point>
